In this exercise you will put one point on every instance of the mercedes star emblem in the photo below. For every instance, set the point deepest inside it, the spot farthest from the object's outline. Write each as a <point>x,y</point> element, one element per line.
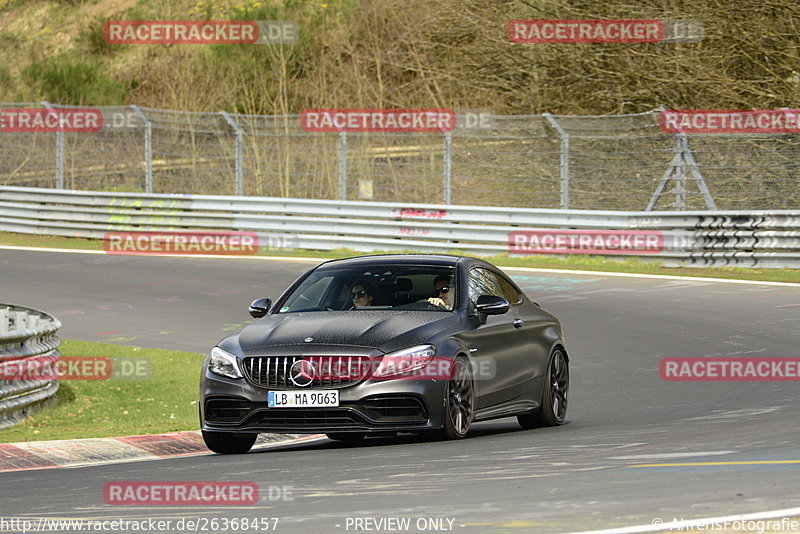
<point>302,373</point>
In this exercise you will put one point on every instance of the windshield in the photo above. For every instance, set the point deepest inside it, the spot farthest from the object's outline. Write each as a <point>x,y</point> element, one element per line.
<point>372,287</point>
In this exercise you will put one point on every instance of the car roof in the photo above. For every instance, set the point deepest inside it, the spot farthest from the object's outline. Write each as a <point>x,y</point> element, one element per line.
<point>425,259</point>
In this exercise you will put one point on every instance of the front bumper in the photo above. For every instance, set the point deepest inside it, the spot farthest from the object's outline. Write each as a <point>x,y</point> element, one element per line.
<point>399,405</point>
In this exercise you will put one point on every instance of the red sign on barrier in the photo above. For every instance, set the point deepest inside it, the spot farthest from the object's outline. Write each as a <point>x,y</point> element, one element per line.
<point>420,213</point>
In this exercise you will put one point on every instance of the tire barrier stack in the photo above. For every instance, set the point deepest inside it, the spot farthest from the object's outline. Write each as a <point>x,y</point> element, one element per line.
<point>26,335</point>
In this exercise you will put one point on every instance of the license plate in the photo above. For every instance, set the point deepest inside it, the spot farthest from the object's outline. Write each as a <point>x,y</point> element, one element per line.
<point>303,399</point>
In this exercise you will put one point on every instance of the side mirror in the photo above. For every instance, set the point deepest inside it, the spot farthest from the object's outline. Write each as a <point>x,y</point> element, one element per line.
<point>259,308</point>
<point>491,305</point>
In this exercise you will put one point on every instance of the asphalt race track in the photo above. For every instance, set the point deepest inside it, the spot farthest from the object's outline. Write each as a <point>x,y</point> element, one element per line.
<point>741,437</point>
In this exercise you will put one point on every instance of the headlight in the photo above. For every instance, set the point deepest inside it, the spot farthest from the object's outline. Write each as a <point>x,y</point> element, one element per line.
<point>224,363</point>
<point>405,361</point>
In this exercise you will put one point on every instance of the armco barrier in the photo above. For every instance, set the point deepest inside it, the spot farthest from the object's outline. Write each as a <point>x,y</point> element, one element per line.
<point>25,333</point>
<point>699,238</point>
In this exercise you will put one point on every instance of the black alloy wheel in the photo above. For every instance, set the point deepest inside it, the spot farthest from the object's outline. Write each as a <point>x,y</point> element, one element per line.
<point>554,397</point>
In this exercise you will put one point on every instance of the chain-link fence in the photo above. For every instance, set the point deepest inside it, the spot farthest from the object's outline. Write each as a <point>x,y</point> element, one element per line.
<point>621,162</point>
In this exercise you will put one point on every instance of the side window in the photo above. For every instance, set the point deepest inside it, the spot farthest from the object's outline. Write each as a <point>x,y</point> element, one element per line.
<point>483,282</point>
<point>308,297</point>
<point>313,294</point>
<point>509,291</point>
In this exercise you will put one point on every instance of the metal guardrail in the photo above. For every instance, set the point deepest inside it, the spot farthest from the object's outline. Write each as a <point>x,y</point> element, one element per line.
<point>25,333</point>
<point>701,238</point>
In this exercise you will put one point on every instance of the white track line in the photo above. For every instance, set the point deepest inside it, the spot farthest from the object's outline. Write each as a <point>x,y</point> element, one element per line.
<point>505,268</point>
<point>654,276</point>
<point>683,525</point>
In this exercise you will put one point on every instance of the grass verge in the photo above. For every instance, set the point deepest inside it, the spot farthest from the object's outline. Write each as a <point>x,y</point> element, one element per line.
<point>574,262</point>
<point>165,401</point>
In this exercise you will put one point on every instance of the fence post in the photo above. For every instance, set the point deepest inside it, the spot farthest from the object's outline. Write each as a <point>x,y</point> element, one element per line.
<point>688,157</point>
<point>448,167</point>
<point>239,150</point>
<point>148,149</point>
<point>59,152</point>
<point>677,169</point>
<point>342,165</point>
<point>680,176</point>
<point>564,160</point>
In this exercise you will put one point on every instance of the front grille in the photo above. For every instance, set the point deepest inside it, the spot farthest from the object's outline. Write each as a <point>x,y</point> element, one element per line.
<point>329,371</point>
<point>283,418</point>
<point>395,409</point>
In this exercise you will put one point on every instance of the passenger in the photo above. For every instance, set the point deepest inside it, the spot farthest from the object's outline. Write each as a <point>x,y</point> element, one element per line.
<point>443,292</point>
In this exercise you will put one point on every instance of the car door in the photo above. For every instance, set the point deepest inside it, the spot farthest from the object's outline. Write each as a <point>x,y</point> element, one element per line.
<point>533,324</point>
<point>500,343</point>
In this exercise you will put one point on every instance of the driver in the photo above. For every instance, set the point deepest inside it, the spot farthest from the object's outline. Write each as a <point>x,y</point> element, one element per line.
<point>443,292</point>
<point>360,295</point>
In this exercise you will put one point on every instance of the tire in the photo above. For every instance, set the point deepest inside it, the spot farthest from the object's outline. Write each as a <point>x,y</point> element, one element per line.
<point>459,402</point>
<point>229,442</point>
<point>346,436</point>
<point>553,410</point>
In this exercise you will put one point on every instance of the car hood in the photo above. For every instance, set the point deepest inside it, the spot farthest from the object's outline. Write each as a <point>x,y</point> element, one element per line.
<point>385,330</point>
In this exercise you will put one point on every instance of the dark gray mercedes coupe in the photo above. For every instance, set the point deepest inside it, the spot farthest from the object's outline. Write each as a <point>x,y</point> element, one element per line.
<point>386,344</point>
